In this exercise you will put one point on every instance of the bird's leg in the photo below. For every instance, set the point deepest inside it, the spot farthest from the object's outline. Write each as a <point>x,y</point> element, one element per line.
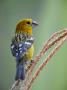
<point>29,65</point>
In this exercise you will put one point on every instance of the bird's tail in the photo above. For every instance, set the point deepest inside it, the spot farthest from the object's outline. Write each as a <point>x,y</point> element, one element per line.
<point>20,72</point>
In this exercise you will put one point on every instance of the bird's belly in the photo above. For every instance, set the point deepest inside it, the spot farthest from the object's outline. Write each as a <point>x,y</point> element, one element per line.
<point>29,53</point>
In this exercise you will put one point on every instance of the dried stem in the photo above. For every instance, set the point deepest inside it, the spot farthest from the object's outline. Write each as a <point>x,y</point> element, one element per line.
<point>46,47</point>
<point>45,62</point>
<point>14,85</point>
<point>58,37</point>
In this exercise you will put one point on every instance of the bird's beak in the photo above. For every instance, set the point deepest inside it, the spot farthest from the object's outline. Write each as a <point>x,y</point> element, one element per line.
<point>34,23</point>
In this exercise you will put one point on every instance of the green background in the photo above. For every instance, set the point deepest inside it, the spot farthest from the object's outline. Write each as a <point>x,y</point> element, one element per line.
<point>51,16</point>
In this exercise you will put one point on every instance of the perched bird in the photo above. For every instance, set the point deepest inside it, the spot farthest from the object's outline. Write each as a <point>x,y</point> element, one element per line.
<point>22,46</point>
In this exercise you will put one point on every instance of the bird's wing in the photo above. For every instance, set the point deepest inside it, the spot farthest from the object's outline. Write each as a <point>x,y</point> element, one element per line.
<point>19,46</point>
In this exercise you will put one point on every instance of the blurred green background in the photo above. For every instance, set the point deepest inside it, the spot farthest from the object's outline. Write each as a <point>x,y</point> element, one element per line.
<point>51,16</point>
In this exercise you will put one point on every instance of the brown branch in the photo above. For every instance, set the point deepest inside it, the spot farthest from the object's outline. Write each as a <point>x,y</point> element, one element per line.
<point>14,85</point>
<point>47,45</point>
<point>45,62</point>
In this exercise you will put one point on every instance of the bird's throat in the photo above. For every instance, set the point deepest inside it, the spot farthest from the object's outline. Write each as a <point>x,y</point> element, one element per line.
<point>28,32</point>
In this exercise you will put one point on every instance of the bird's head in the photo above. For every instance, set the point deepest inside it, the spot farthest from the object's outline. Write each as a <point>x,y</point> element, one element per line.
<point>25,26</point>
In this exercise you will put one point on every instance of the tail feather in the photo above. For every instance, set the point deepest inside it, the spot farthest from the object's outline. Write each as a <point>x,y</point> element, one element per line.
<point>20,72</point>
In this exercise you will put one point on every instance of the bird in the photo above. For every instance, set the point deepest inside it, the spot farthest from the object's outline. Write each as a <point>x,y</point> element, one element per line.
<point>22,46</point>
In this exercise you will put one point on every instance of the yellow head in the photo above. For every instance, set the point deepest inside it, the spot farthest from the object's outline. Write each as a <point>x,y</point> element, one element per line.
<point>25,26</point>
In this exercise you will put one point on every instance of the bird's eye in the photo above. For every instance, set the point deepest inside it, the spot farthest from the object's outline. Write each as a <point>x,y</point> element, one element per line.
<point>28,22</point>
